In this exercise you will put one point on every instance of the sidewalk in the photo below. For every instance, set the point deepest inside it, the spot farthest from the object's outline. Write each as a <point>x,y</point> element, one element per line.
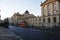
<point>6,34</point>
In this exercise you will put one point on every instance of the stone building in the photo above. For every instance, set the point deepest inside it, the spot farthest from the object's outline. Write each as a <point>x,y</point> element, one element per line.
<point>36,22</point>
<point>24,17</point>
<point>50,18</point>
<point>17,16</point>
<point>27,15</point>
<point>50,13</point>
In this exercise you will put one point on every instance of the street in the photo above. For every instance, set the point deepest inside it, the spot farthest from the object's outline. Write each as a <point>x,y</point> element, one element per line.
<point>6,34</point>
<point>34,34</point>
<point>19,33</point>
<point>29,19</point>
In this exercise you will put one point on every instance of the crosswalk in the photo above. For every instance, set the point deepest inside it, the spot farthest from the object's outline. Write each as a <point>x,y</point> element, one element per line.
<point>6,34</point>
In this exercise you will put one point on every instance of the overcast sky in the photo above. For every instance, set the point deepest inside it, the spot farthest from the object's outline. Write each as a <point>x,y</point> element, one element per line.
<point>9,7</point>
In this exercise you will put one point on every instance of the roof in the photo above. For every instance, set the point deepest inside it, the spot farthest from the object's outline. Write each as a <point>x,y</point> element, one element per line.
<point>26,12</point>
<point>48,1</point>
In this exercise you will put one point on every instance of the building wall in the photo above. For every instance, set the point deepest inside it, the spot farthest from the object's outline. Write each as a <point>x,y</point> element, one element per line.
<point>50,9</point>
<point>24,17</point>
<point>34,21</point>
<point>51,23</point>
<point>17,17</point>
<point>44,8</point>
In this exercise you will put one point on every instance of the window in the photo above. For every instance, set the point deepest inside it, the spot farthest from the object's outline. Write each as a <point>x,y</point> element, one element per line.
<point>48,13</point>
<point>33,19</point>
<point>39,19</point>
<point>48,9</point>
<point>54,9</point>
<point>48,20</point>
<point>54,6</point>
<point>36,19</point>
<point>44,10</point>
<point>54,19</point>
<point>43,20</point>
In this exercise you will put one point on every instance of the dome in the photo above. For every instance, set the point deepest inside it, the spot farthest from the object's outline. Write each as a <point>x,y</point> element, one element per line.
<point>26,12</point>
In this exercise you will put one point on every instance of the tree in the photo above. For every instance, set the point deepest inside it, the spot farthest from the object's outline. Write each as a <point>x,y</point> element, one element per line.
<point>6,22</point>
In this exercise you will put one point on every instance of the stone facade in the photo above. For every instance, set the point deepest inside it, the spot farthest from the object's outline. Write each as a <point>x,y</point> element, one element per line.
<point>27,15</point>
<point>50,13</point>
<point>50,10</point>
<point>17,16</point>
<point>34,21</point>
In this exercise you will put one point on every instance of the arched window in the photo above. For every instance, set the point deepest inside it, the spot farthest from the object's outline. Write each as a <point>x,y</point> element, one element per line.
<point>48,20</point>
<point>43,20</point>
<point>54,19</point>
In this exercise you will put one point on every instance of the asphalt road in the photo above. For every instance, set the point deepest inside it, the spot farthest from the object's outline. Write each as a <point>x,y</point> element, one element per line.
<point>34,34</point>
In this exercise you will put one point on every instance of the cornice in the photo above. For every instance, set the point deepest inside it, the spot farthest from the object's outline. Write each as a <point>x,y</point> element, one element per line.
<point>48,2</point>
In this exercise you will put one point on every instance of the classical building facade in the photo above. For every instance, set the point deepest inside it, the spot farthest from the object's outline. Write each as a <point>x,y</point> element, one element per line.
<point>27,16</point>
<point>36,22</point>
<point>50,13</point>
<point>50,18</point>
<point>17,16</point>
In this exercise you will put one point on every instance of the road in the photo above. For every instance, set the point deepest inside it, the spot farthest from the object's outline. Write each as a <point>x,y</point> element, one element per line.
<point>34,34</point>
<point>6,34</point>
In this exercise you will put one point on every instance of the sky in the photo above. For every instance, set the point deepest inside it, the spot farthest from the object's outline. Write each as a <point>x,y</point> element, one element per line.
<point>9,7</point>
